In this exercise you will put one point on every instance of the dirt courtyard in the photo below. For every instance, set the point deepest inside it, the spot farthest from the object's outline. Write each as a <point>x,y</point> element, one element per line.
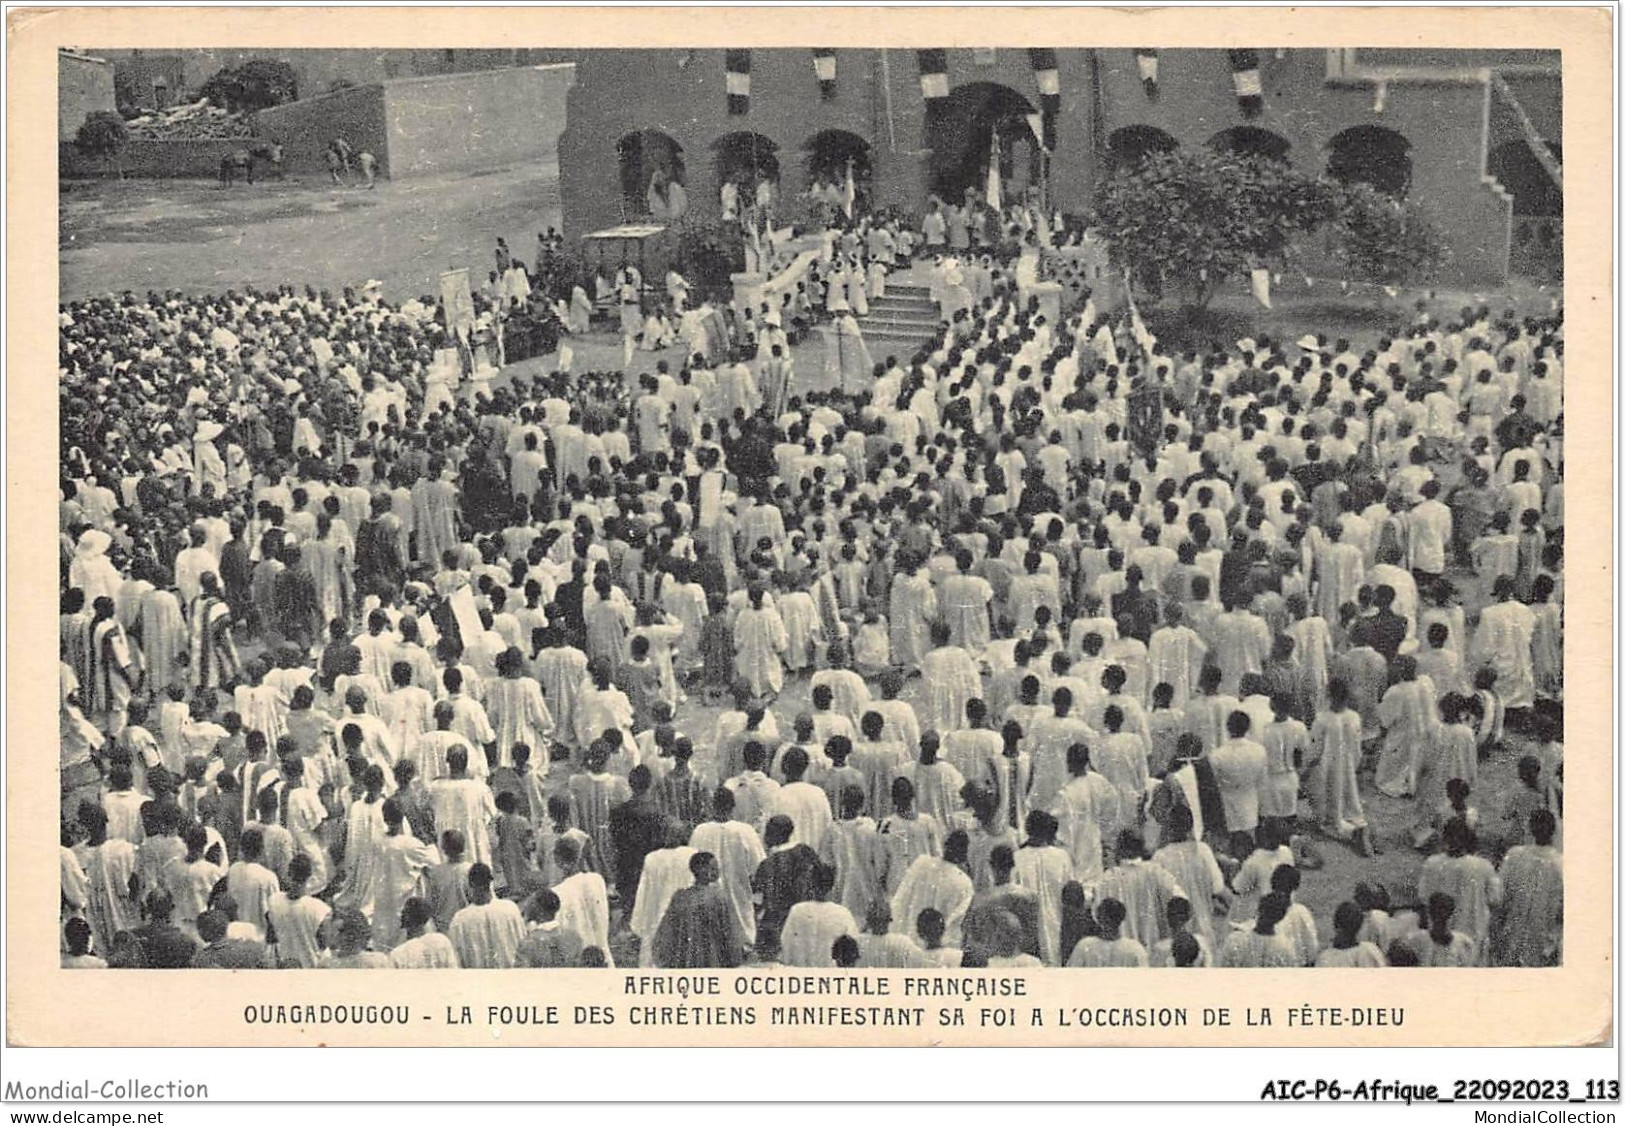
<point>197,236</point>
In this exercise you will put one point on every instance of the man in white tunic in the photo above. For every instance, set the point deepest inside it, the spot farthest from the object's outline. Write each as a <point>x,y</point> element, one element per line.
<point>1506,631</point>
<point>813,926</point>
<point>739,852</point>
<point>486,934</point>
<point>806,805</point>
<point>464,804</point>
<point>583,899</point>
<point>940,883</point>
<point>665,873</point>
<point>1087,809</point>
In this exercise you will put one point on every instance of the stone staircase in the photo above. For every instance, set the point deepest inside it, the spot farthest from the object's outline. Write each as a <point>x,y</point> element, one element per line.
<point>901,321</point>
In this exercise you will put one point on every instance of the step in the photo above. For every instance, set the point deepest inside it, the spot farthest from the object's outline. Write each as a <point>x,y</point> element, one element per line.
<point>908,289</point>
<point>893,340</point>
<point>900,310</point>
<point>899,324</point>
<point>925,321</point>
<point>891,302</point>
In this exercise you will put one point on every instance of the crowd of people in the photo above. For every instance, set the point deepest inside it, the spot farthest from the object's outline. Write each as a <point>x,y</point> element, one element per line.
<point>1103,645</point>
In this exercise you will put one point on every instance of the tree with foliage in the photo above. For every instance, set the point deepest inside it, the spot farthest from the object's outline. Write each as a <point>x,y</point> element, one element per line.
<point>256,84</point>
<point>710,252</point>
<point>103,135</point>
<point>1184,221</point>
<point>1384,240</point>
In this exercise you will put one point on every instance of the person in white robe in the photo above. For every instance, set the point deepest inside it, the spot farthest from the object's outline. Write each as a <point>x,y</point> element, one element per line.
<point>806,805</point>
<point>1335,748</point>
<point>109,866</point>
<point>677,288</point>
<point>1469,879</point>
<point>940,883</point>
<point>486,934</point>
<point>1409,714</point>
<point>1528,929</point>
<point>583,899</point>
<point>1176,653</point>
<point>91,571</point>
<point>1194,867</point>
<point>516,708</point>
<point>965,602</point>
<point>738,849</point>
<point>877,280</point>
<point>1504,641</point>
<point>813,926</point>
<point>1044,868</point>
<point>760,641</point>
<point>465,804</point>
<point>402,862</point>
<point>952,679</point>
<point>847,362</point>
<point>913,603</point>
<point>665,873</point>
<point>857,288</point>
<point>1088,810</point>
<point>164,643</point>
<point>1142,886</point>
<point>579,319</point>
<point>296,918</point>
<point>421,948</point>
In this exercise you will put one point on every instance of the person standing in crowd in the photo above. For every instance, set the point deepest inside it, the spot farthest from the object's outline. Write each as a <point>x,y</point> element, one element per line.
<point>1071,683</point>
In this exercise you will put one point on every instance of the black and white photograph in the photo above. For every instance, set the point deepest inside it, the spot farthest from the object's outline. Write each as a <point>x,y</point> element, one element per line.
<point>813,514</point>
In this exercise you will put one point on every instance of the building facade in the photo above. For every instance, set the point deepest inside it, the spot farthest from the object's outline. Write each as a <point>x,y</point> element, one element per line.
<point>1444,127</point>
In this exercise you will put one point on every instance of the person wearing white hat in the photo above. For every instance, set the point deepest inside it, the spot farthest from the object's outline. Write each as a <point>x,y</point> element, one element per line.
<point>91,570</point>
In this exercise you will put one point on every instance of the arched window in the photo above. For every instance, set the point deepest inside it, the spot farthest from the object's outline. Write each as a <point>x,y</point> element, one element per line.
<point>1133,143</point>
<point>1370,154</point>
<point>828,153</point>
<point>960,135</point>
<point>648,158</point>
<point>1519,171</point>
<point>1247,140</point>
<point>745,157</point>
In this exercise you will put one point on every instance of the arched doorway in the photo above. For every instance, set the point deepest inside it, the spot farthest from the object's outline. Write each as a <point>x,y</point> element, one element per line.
<point>1520,172</point>
<point>747,158</point>
<point>1370,154</point>
<point>650,162</point>
<point>827,155</point>
<point>960,135</point>
<point>1131,144</point>
<point>1248,140</point>
<point>747,161</point>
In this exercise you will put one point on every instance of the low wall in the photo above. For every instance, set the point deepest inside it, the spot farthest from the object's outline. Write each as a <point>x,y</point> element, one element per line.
<point>305,128</point>
<point>486,119</point>
<point>153,160</point>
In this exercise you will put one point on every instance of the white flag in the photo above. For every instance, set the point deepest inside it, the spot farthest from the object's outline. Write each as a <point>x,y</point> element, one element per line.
<point>1261,287</point>
<point>995,195</point>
